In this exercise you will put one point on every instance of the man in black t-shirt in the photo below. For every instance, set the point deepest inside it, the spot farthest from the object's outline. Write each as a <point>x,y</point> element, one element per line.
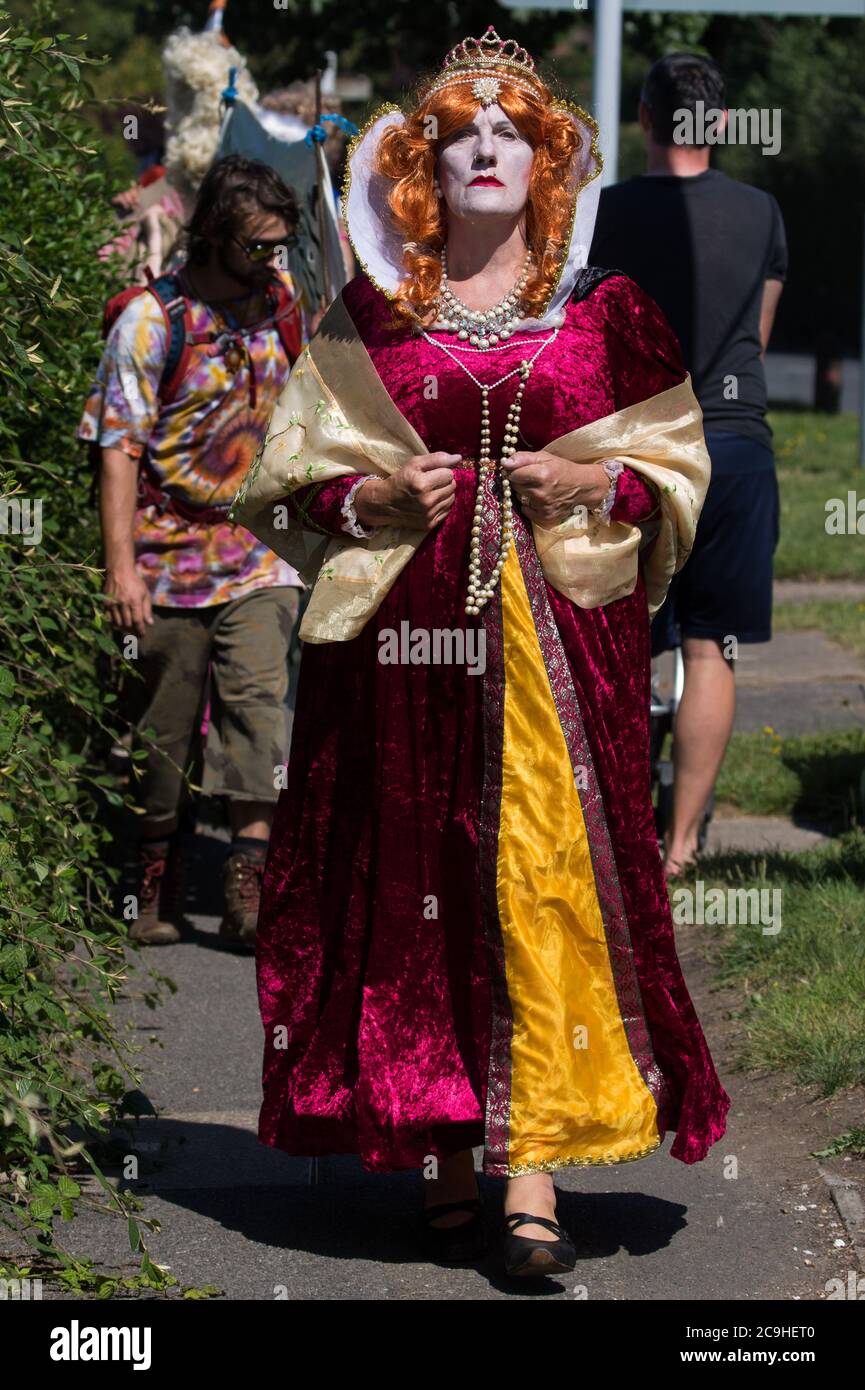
<point>713,255</point>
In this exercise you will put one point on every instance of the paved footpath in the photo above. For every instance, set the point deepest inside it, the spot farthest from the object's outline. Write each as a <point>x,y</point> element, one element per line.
<point>800,682</point>
<point>754,1220</point>
<point>251,1220</point>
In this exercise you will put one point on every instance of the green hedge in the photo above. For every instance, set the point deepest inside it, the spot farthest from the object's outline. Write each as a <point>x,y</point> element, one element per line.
<point>64,1062</point>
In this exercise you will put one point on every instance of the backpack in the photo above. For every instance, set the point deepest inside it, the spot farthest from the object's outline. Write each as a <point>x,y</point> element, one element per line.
<point>176,309</point>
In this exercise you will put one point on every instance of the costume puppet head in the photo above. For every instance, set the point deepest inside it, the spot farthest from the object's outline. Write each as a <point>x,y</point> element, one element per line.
<point>196,73</point>
<point>398,223</point>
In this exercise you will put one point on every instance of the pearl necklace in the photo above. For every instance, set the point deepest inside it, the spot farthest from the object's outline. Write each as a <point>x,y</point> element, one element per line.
<point>485,352</point>
<point>483,328</point>
<point>480,591</point>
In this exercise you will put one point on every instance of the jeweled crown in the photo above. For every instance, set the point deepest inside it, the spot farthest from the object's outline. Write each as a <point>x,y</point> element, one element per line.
<point>488,51</point>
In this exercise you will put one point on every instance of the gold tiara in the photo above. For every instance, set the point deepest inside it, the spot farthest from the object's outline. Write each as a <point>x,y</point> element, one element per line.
<point>473,62</point>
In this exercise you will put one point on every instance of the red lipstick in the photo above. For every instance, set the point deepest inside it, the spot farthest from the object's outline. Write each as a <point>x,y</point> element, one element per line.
<point>489,179</point>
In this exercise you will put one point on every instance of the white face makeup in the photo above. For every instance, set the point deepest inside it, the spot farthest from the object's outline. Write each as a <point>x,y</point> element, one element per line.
<point>484,168</point>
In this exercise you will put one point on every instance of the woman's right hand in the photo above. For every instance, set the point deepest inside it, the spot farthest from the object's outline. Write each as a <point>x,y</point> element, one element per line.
<point>420,494</point>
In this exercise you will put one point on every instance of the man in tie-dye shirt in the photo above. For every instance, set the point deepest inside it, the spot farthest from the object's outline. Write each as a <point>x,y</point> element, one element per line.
<point>195,591</point>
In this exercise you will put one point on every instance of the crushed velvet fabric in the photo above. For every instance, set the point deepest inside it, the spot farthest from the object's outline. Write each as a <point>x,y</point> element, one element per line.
<point>373,975</point>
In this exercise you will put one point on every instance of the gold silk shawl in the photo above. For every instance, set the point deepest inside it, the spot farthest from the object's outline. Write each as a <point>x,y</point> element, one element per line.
<point>334,417</point>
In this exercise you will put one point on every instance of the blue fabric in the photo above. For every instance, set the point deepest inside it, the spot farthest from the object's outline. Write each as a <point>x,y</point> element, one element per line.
<point>725,587</point>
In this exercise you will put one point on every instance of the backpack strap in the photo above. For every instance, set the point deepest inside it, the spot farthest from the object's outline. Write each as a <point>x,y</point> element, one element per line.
<point>176,310</point>
<point>286,319</point>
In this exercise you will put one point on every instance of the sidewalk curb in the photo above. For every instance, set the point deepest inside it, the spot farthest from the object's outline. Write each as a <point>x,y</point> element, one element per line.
<point>848,1201</point>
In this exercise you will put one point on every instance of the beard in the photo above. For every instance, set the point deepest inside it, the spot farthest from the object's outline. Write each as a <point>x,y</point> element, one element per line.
<point>253,277</point>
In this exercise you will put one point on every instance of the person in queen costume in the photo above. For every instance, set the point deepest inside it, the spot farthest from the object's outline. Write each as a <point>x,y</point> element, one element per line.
<point>488,447</point>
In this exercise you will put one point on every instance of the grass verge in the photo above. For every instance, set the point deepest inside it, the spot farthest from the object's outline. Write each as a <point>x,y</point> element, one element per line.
<point>803,984</point>
<point>816,457</point>
<point>820,777</point>
<point>843,623</point>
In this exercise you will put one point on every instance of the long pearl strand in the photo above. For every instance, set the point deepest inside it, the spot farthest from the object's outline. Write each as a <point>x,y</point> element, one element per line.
<point>481,590</point>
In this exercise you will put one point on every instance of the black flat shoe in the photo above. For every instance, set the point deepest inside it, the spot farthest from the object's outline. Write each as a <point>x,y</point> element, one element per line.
<point>527,1257</point>
<point>454,1244</point>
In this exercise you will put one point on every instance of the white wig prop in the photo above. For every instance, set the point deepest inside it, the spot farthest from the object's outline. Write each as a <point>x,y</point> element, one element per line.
<point>196,74</point>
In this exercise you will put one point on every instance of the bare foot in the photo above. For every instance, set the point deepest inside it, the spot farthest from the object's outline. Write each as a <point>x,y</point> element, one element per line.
<point>535,1193</point>
<point>456,1181</point>
<point>678,858</point>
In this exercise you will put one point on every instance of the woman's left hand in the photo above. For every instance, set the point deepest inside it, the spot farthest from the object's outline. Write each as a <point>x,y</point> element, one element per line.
<point>549,488</point>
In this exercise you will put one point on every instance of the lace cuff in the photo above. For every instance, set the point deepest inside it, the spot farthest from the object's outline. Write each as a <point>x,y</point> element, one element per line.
<point>613,468</point>
<point>351,523</point>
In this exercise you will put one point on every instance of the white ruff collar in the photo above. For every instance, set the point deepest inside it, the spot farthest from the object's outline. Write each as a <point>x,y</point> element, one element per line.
<point>378,247</point>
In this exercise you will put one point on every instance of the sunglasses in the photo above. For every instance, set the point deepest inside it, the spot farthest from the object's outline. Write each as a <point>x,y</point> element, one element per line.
<point>263,250</point>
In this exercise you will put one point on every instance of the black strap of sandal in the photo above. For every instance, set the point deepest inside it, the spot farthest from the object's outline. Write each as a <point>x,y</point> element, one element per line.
<point>472,1204</point>
<point>525,1218</point>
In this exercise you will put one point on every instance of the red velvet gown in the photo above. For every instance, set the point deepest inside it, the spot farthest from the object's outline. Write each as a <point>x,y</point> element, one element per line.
<point>392,1027</point>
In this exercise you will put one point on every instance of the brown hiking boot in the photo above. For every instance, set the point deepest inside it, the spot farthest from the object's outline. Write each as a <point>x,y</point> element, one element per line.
<point>241,877</point>
<point>160,896</point>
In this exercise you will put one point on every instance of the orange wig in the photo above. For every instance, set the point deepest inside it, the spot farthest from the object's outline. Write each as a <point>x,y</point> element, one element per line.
<point>407,155</point>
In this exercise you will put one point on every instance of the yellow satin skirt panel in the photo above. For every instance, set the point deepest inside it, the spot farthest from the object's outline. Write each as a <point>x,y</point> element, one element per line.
<point>577,1095</point>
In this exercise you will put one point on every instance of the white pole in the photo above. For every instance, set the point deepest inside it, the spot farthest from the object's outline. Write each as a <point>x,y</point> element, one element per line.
<point>606,91</point>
